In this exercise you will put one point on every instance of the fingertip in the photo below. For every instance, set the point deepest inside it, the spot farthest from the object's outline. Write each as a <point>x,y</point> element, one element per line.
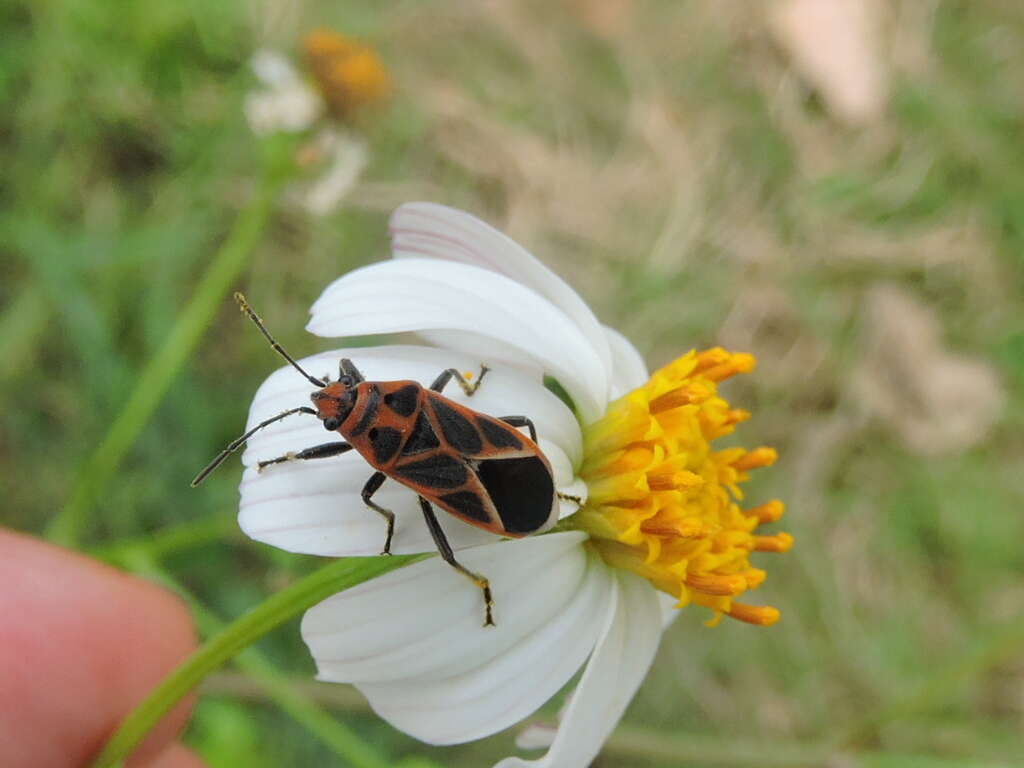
<point>89,644</point>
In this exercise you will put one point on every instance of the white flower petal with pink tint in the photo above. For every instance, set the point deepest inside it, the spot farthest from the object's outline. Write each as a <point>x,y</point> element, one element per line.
<point>416,634</point>
<point>629,370</point>
<point>427,294</point>
<point>620,661</point>
<point>439,232</point>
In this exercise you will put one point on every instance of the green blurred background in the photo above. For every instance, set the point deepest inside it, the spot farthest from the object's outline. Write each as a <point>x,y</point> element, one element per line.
<point>842,195</point>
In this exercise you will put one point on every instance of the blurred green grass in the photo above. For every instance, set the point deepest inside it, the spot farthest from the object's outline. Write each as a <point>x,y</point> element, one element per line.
<point>673,172</point>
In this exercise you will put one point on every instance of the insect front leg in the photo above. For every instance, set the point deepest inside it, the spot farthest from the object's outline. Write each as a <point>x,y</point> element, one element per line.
<point>521,421</point>
<point>449,557</point>
<point>324,451</point>
<point>372,485</point>
<point>449,373</point>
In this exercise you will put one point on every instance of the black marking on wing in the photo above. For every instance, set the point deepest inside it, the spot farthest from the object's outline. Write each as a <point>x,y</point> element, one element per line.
<point>521,489</point>
<point>458,430</point>
<point>499,436</point>
<point>422,437</point>
<point>467,504</point>
<point>403,401</point>
<point>386,442</point>
<point>372,404</point>
<point>439,471</point>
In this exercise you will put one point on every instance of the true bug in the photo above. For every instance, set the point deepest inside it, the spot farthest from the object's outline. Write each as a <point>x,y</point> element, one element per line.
<point>481,469</point>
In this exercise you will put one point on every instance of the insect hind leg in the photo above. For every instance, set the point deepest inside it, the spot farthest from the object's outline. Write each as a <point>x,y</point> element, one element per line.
<point>449,557</point>
<point>323,451</point>
<point>521,421</point>
<point>372,485</point>
<point>453,373</point>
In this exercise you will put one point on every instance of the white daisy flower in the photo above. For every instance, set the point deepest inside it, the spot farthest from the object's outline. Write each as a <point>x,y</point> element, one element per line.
<point>284,101</point>
<point>660,526</point>
<point>346,77</point>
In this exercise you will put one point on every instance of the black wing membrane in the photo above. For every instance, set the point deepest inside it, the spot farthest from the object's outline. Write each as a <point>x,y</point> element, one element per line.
<point>437,471</point>
<point>403,401</point>
<point>458,430</point>
<point>498,434</point>
<point>467,504</point>
<point>422,437</point>
<point>521,489</point>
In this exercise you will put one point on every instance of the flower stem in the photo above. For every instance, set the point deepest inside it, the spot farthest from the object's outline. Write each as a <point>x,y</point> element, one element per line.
<point>168,541</point>
<point>279,608</point>
<point>334,733</point>
<point>163,367</point>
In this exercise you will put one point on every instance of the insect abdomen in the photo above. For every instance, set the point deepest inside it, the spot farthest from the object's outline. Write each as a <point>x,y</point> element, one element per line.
<point>472,465</point>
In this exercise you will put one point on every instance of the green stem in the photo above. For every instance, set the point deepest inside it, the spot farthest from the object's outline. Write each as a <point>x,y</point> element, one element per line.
<point>170,541</point>
<point>225,645</point>
<point>21,325</point>
<point>280,689</point>
<point>163,367</point>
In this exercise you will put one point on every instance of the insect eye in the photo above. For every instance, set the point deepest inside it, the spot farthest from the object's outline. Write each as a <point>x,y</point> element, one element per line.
<point>331,424</point>
<point>346,381</point>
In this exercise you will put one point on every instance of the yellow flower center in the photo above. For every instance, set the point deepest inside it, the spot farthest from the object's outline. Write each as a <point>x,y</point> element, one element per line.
<point>348,73</point>
<point>664,504</point>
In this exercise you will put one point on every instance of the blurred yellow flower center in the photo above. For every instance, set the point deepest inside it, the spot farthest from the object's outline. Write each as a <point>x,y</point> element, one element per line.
<point>348,73</point>
<point>664,504</point>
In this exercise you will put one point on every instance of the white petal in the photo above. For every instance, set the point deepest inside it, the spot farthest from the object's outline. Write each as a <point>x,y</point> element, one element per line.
<point>578,489</point>
<point>315,507</point>
<point>437,231</point>
<point>430,294</point>
<point>481,347</point>
<point>287,103</point>
<point>289,109</point>
<point>349,156</point>
<point>412,640</point>
<point>629,370</point>
<point>669,610</point>
<point>618,666</point>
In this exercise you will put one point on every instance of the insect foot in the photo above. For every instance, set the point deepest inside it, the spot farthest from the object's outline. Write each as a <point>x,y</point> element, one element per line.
<point>469,387</point>
<point>290,456</point>
<point>485,585</point>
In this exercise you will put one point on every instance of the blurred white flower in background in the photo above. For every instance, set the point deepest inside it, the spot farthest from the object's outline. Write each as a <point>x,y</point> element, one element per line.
<point>345,78</point>
<point>285,101</point>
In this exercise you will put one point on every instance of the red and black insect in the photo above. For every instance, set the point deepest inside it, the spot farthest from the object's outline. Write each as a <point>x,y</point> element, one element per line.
<point>481,469</point>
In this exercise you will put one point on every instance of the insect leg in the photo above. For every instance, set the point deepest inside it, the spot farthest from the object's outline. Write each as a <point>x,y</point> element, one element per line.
<point>449,557</point>
<point>376,480</point>
<point>521,421</point>
<point>449,373</point>
<point>238,442</point>
<point>324,451</point>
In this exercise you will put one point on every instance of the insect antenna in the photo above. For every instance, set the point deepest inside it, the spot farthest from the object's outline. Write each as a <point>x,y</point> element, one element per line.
<point>273,342</point>
<point>238,442</point>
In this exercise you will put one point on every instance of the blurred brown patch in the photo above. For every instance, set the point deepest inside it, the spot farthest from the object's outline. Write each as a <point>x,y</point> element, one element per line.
<point>836,47</point>
<point>935,400</point>
<point>763,321</point>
